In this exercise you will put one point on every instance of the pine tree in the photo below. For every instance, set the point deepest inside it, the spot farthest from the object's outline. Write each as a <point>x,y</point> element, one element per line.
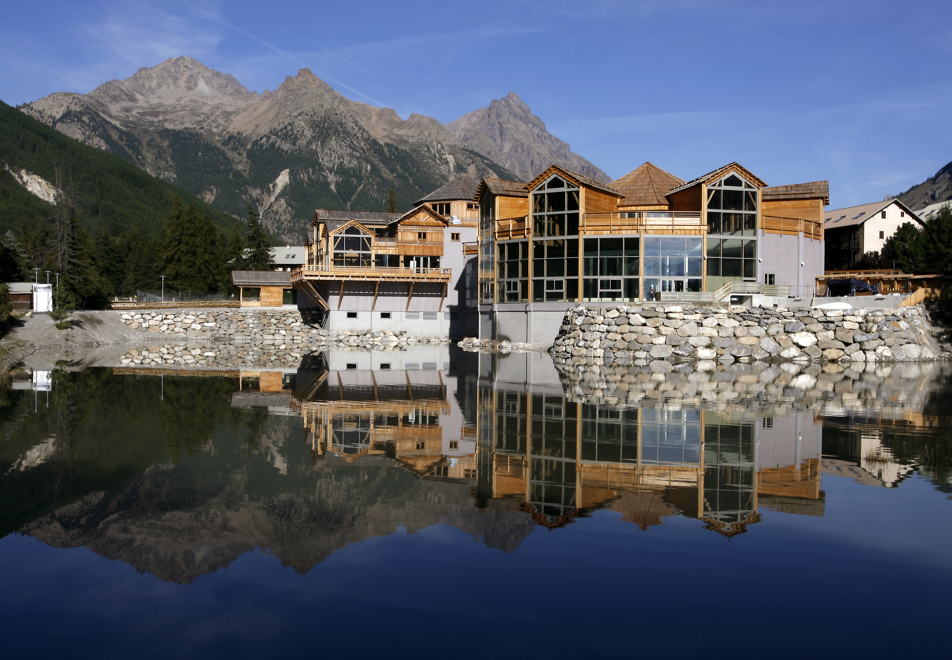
<point>232,256</point>
<point>13,259</point>
<point>392,206</point>
<point>175,248</point>
<point>258,252</point>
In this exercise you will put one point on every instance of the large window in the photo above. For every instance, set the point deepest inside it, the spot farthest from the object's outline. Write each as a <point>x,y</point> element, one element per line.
<point>487,261</point>
<point>610,269</point>
<point>672,263</point>
<point>555,207</point>
<point>512,275</point>
<point>555,270</point>
<point>352,248</point>
<point>731,231</point>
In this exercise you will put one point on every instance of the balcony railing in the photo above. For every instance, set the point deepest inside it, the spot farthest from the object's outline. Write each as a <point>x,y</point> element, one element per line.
<point>371,273</point>
<point>642,222</point>
<point>508,229</point>
<point>383,243</point>
<point>777,224</point>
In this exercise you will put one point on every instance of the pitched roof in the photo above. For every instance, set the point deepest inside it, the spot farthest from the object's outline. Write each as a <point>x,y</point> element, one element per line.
<point>813,190</point>
<point>501,188</point>
<point>462,187</point>
<point>646,185</point>
<point>719,173</point>
<point>857,215</point>
<point>261,278</point>
<point>288,255</point>
<point>574,177</point>
<point>364,217</point>
<point>20,288</point>
<point>415,210</point>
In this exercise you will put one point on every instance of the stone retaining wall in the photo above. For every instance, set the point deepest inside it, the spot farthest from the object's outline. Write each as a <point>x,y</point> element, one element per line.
<point>223,337</point>
<point>637,335</point>
<point>756,388</point>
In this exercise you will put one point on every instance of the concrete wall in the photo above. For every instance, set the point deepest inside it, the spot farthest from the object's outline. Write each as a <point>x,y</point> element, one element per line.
<point>414,358</point>
<point>531,323</point>
<point>782,255</point>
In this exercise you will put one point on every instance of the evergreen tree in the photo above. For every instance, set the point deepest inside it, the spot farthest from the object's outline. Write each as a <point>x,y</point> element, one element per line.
<point>904,248</point>
<point>258,252</point>
<point>175,248</point>
<point>206,251</point>
<point>937,241</point>
<point>110,261</point>
<point>392,206</point>
<point>13,259</point>
<point>231,259</point>
<point>140,266</point>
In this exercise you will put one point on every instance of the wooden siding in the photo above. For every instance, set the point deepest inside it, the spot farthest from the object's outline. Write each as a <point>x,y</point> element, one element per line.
<point>689,199</point>
<point>271,296</point>
<point>792,216</point>
<point>596,201</point>
<point>511,207</point>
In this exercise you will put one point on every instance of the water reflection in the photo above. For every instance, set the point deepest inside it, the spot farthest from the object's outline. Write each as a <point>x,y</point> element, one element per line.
<point>179,473</point>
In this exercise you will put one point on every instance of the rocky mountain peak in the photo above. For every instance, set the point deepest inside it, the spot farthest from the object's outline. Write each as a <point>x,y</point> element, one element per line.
<point>509,133</point>
<point>175,80</point>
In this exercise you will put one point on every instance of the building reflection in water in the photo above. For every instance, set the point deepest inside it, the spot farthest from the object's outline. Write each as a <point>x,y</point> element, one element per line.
<point>526,446</point>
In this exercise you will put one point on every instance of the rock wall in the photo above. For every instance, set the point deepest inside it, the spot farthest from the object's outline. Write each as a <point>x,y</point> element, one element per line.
<point>226,337</point>
<point>637,335</point>
<point>757,388</point>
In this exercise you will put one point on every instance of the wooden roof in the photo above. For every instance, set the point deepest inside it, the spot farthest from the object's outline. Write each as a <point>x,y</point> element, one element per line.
<point>366,218</point>
<point>350,223</point>
<point>417,211</point>
<point>500,188</point>
<point>261,278</point>
<point>812,190</point>
<point>462,187</point>
<point>720,173</point>
<point>574,177</point>
<point>646,185</point>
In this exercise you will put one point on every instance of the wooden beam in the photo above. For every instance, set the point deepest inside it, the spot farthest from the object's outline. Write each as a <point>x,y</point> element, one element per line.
<point>409,297</point>
<point>376,291</point>
<point>340,296</point>
<point>316,295</point>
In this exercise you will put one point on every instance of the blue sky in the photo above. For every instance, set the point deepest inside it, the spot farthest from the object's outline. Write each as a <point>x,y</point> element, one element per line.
<point>857,92</point>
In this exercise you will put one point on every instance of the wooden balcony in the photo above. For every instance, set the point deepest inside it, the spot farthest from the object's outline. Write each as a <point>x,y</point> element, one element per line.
<point>414,247</point>
<point>369,274</point>
<point>470,249</point>
<point>642,222</point>
<point>777,224</point>
<point>509,229</point>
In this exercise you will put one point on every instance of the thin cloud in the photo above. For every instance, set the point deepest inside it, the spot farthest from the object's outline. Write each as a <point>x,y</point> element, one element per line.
<point>290,56</point>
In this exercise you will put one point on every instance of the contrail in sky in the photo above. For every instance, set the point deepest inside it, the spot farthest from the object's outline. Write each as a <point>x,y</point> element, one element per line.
<point>291,57</point>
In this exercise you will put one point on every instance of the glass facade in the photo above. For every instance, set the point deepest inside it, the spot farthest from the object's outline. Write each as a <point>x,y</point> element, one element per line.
<point>672,263</point>
<point>732,205</point>
<point>610,270</point>
<point>352,248</point>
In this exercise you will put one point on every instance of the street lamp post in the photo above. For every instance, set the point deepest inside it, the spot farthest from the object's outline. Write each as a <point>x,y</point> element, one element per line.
<point>163,287</point>
<point>47,277</point>
<point>36,275</point>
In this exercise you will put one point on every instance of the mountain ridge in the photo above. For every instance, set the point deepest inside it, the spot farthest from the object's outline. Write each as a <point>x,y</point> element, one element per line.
<point>204,131</point>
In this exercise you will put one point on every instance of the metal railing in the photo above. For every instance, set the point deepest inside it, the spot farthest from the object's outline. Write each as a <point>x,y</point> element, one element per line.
<point>326,272</point>
<point>729,289</point>
<point>642,221</point>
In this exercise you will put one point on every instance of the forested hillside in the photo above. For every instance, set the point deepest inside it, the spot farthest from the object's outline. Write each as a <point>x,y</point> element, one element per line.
<point>106,227</point>
<point>109,193</point>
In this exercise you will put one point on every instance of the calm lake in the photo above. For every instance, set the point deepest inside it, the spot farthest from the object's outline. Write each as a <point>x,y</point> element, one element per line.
<point>433,502</point>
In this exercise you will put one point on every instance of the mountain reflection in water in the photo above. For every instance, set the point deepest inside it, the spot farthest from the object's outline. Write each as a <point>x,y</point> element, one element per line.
<point>179,474</point>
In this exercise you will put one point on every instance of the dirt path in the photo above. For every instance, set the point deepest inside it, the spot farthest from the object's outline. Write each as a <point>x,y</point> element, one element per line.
<point>97,337</point>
